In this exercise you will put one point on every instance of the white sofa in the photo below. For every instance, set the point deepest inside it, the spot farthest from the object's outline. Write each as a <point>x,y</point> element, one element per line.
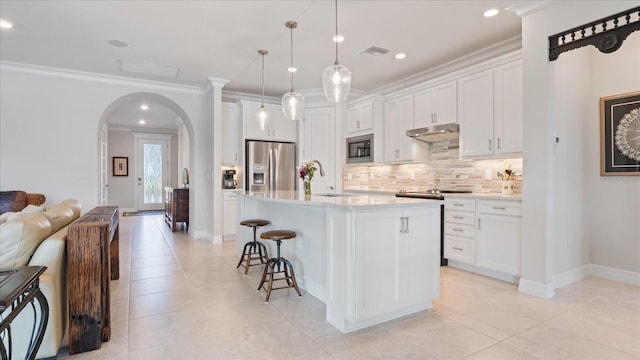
<point>36,236</point>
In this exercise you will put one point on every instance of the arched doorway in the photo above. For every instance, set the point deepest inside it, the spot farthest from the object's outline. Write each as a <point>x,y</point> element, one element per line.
<point>121,136</point>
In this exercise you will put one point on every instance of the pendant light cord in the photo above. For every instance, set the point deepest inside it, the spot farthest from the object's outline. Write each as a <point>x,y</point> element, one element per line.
<point>291,28</point>
<point>262,53</point>
<point>336,39</point>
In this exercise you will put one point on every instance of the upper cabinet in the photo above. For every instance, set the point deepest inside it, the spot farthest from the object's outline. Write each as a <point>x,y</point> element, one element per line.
<point>398,118</point>
<point>318,142</point>
<point>230,134</point>
<point>364,115</point>
<point>490,112</point>
<point>435,105</point>
<point>274,128</point>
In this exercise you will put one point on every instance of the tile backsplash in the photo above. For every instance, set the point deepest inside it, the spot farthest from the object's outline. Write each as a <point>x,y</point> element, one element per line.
<point>444,170</point>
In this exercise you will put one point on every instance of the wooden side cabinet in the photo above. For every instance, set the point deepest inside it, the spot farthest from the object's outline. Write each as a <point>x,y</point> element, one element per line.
<point>176,206</point>
<point>93,260</point>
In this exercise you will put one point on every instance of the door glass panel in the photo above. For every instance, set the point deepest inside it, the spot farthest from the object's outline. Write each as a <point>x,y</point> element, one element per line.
<point>152,174</point>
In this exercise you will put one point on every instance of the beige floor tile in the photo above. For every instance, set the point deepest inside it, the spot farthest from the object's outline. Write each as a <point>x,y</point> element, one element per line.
<point>183,298</point>
<point>501,351</point>
<point>548,342</point>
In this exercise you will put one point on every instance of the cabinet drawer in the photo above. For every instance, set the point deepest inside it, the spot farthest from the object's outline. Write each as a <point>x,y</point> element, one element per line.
<point>459,217</point>
<point>511,208</point>
<point>460,230</point>
<point>229,195</point>
<point>459,204</point>
<point>459,249</point>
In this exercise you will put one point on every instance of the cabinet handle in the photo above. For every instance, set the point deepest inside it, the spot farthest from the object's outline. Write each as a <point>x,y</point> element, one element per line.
<point>498,143</point>
<point>490,144</point>
<point>358,124</point>
<point>432,117</point>
<point>407,222</point>
<point>331,187</point>
<point>457,248</point>
<point>435,117</point>
<point>402,224</point>
<point>458,217</point>
<point>499,208</point>
<point>458,230</point>
<point>479,226</point>
<point>236,156</point>
<point>456,204</point>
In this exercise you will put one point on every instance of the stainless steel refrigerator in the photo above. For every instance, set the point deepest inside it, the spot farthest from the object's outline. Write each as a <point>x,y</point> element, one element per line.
<point>270,166</point>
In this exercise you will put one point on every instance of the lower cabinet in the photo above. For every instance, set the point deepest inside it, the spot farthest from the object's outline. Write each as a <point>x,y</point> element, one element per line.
<point>499,226</point>
<point>229,217</point>
<point>389,252</point>
<point>484,236</point>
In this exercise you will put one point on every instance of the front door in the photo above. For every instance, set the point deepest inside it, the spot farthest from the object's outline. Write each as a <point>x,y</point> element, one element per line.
<point>152,172</point>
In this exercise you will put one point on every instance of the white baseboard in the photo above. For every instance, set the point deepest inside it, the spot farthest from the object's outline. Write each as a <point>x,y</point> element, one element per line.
<point>570,276</point>
<point>538,289</point>
<point>609,273</point>
<point>123,210</point>
<point>604,272</point>
<point>217,239</point>
<point>202,234</point>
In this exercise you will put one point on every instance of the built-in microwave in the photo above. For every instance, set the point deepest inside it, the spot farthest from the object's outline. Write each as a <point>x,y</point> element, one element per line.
<point>360,149</point>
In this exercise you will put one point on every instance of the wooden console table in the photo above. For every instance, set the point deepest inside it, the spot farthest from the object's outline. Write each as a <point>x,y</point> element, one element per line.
<point>176,206</point>
<point>18,288</point>
<point>93,257</point>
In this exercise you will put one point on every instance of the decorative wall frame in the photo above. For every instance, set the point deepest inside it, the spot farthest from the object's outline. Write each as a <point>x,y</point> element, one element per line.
<point>620,135</point>
<point>120,166</point>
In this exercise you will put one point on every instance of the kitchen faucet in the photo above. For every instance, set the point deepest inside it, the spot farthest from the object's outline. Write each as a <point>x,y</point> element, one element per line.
<point>320,165</point>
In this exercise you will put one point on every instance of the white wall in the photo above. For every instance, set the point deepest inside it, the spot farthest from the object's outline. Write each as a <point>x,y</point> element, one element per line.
<point>49,121</point>
<point>121,190</point>
<point>612,204</point>
<point>571,80</point>
<point>544,203</point>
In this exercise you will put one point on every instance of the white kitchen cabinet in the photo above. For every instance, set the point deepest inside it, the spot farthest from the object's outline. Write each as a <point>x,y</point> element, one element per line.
<point>275,128</point>
<point>499,226</point>
<point>363,115</point>
<point>397,120</point>
<point>319,143</point>
<point>229,216</point>
<point>230,134</point>
<point>435,105</point>
<point>490,112</point>
<point>459,230</point>
<point>387,245</point>
<point>508,111</point>
<point>475,114</point>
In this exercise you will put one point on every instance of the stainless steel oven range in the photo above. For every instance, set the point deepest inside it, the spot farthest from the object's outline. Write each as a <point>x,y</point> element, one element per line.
<point>434,194</point>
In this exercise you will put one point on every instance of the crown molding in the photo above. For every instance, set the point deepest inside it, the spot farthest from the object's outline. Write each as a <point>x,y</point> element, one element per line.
<point>236,96</point>
<point>526,8</point>
<point>103,78</point>
<point>215,83</point>
<point>510,45</point>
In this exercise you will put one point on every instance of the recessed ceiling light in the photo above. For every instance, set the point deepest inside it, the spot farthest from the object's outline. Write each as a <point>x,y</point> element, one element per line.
<point>338,38</point>
<point>144,107</point>
<point>118,43</point>
<point>401,56</point>
<point>491,12</point>
<point>141,122</point>
<point>5,24</point>
<point>292,69</point>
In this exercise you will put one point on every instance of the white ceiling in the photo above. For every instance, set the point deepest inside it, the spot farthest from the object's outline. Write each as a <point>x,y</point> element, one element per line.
<point>221,39</point>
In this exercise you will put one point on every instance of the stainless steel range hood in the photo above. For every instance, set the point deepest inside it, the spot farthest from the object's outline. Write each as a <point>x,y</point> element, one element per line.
<point>435,133</point>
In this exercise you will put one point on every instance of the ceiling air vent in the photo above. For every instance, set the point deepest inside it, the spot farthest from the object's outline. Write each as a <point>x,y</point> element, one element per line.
<point>143,67</point>
<point>374,51</point>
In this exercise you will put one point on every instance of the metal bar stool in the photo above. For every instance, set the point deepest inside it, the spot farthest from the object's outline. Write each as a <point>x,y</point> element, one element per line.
<point>254,247</point>
<point>283,265</point>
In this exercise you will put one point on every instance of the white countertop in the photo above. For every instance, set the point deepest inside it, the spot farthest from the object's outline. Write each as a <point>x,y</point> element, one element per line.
<point>346,200</point>
<point>486,196</point>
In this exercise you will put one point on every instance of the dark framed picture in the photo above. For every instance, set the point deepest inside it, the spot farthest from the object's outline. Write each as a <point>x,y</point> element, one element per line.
<point>620,135</point>
<point>120,166</point>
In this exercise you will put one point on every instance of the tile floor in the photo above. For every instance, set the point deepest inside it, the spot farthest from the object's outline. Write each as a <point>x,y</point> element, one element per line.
<point>180,298</point>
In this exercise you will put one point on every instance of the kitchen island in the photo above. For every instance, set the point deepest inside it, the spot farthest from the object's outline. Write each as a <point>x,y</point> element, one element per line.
<point>369,258</point>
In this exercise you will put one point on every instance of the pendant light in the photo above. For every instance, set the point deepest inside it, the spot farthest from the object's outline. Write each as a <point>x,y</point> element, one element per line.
<point>336,79</point>
<point>292,102</point>
<point>262,113</point>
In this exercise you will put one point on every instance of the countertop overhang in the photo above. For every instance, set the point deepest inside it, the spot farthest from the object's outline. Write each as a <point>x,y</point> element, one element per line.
<point>351,201</point>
